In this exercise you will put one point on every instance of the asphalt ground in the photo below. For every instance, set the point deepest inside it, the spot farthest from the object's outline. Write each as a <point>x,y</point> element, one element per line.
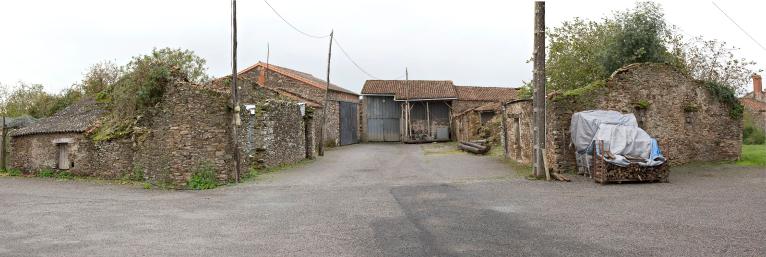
<point>393,200</point>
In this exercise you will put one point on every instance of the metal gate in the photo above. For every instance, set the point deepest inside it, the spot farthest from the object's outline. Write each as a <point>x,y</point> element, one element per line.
<point>382,119</point>
<point>349,123</point>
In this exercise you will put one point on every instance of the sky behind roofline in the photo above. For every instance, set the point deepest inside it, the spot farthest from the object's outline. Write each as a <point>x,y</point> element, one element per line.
<point>482,43</point>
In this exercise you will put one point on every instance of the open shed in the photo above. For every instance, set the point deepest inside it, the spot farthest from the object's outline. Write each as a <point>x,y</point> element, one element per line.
<point>407,110</point>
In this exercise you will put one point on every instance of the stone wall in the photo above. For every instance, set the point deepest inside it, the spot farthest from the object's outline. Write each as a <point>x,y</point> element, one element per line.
<point>110,160</point>
<point>459,106</point>
<point>188,129</point>
<point>689,123</point>
<point>520,131</point>
<point>275,134</point>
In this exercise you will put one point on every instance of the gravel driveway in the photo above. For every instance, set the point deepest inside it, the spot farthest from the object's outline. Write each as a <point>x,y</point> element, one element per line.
<point>392,200</point>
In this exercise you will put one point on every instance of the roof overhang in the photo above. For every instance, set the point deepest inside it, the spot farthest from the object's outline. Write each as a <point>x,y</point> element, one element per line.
<point>425,99</point>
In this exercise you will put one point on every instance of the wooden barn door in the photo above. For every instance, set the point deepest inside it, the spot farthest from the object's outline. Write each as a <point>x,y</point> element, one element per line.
<point>348,123</point>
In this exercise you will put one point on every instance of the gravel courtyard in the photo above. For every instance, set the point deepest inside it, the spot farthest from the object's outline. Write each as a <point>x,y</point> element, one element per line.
<point>393,200</point>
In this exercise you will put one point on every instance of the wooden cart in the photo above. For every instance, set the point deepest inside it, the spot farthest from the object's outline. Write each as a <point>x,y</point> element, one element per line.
<point>605,172</point>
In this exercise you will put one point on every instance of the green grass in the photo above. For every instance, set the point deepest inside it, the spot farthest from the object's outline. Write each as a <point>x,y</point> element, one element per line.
<point>45,173</point>
<point>64,175</point>
<point>753,155</point>
<point>255,173</point>
<point>13,172</point>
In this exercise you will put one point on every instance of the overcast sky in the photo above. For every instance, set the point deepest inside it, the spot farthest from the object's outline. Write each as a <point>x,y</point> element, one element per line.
<point>477,42</point>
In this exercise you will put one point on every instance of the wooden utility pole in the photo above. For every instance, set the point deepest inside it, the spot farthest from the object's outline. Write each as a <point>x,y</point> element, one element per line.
<point>2,146</point>
<point>406,103</point>
<point>236,122</point>
<point>504,129</point>
<point>539,88</point>
<point>326,95</point>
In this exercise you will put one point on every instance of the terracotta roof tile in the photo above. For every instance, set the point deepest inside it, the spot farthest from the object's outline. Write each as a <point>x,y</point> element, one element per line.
<point>411,89</point>
<point>753,104</point>
<point>498,94</point>
<point>301,76</point>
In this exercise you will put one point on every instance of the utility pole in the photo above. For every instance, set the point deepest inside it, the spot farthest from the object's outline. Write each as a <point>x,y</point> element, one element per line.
<point>2,146</point>
<point>326,95</point>
<point>539,88</point>
<point>236,122</point>
<point>407,103</point>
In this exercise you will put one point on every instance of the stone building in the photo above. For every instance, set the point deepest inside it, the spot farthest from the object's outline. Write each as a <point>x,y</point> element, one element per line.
<point>689,122</point>
<point>60,142</point>
<point>342,126</point>
<point>189,129</point>
<point>755,103</point>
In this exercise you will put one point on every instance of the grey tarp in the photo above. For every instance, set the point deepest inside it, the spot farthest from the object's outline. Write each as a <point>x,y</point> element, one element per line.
<point>585,124</point>
<point>621,136</point>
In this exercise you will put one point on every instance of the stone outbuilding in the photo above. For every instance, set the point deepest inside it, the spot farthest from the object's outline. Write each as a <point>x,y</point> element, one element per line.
<point>690,123</point>
<point>60,142</point>
<point>342,126</point>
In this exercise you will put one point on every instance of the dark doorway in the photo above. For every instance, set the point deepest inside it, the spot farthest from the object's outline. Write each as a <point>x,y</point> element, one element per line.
<point>349,123</point>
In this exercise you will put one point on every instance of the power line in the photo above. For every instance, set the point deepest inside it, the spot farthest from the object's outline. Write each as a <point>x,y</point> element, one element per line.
<point>738,26</point>
<point>342,50</point>
<point>334,39</point>
<point>291,25</point>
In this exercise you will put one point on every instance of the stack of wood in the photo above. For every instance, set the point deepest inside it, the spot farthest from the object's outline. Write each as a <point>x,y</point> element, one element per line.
<point>476,147</point>
<point>605,172</point>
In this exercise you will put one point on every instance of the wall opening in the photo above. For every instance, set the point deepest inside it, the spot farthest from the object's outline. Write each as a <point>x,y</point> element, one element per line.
<point>62,156</point>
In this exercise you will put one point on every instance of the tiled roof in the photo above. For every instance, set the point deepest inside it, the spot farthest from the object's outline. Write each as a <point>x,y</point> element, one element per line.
<point>411,89</point>
<point>78,117</point>
<point>753,104</point>
<point>18,122</point>
<point>301,76</point>
<point>498,94</point>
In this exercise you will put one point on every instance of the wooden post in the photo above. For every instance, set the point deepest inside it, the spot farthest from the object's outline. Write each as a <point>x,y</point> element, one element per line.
<point>428,118</point>
<point>236,122</point>
<point>325,105</point>
<point>504,129</point>
<point>539,88</point>
<point>2,147</point>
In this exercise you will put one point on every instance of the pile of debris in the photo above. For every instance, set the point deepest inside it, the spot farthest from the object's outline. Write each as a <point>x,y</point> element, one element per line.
<point>475,147</point>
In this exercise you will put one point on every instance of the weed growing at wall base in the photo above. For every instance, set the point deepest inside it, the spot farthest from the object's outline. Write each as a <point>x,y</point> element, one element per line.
<point>203,178</point>
<point>45,173</point>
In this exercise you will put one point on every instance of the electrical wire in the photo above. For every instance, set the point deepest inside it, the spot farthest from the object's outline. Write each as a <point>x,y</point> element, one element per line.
<point>334,39</point>
<point>291,25</point>
<point>738,26</point>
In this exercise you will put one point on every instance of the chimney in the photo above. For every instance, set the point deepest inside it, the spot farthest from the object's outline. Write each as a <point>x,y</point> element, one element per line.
<point>757,86</point>
<point>262,76</point>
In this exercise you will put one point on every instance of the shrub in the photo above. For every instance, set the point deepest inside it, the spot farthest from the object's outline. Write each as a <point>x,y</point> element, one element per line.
<point>203,178</point>
<point>45,173</point>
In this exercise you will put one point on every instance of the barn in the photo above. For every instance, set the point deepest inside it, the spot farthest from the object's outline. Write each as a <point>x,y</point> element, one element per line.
<point>407,110</point>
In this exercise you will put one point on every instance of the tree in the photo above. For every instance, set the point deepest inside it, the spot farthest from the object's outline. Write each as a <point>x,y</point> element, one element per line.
<point>581,52</point>
<point>713,60</point>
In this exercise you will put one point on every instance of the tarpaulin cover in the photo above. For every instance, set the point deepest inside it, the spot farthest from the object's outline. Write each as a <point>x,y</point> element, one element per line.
<point>585,124</point>
<point>622,138</point>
